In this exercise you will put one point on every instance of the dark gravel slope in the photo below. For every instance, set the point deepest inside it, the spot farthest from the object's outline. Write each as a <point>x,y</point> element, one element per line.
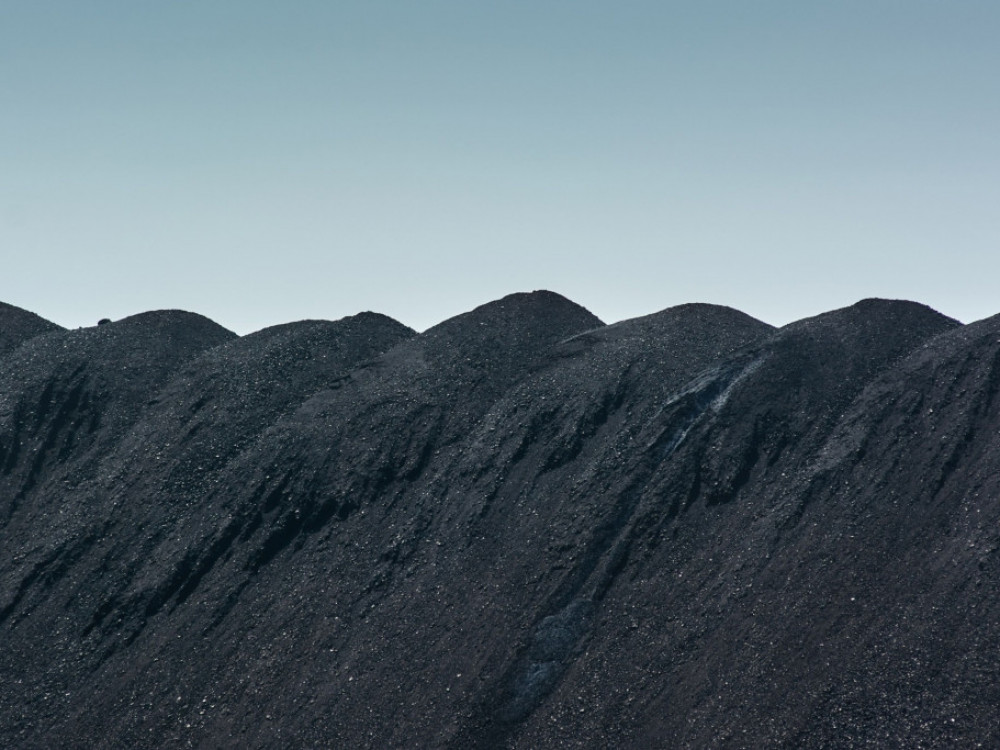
<point>182,408</point>
<point>17,326</point>
<point>521,528</point>
<point>67,396</point>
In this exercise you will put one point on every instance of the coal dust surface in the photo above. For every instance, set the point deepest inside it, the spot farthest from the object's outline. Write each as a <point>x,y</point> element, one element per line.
<point>521,528</point>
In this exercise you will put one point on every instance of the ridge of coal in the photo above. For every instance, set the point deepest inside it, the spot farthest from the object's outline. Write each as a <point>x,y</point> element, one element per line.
<point>521,528</point>
<point>17,326</point>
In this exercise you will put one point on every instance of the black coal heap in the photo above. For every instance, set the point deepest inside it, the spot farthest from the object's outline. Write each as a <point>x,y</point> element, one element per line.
<point>519,529</point>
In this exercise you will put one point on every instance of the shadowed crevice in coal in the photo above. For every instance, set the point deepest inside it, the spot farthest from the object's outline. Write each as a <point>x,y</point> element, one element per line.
<point>46,572</point>
<point>551,646</point>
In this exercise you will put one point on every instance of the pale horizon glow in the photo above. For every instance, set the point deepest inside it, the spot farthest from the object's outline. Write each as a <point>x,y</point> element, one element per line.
<point>260,163</point>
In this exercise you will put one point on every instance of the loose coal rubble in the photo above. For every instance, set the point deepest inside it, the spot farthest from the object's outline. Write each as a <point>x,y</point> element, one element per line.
<point>521,528</point>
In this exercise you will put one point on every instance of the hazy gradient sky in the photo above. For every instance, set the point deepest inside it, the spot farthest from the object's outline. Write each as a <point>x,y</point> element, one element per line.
<point>261,162</point>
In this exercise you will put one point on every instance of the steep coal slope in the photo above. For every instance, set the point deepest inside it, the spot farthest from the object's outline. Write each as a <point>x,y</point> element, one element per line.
<point>138,505</point>
<point>281,513</point>
<point>687,530</point>
<point>538,496</point>
<point>17,326</point>
<point>216,405</point>
<point>695,610</point>
<point>65,400</point>
<point>376,433</point>
<point>66,396</point>
<point>395,584</point>
<point>905,491</point>
<point>205,418</point>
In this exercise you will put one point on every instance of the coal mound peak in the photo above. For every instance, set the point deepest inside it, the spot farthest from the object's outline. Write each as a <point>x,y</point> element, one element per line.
<point>17,326</point>
<point>521,528</point>
<point>508,329</point>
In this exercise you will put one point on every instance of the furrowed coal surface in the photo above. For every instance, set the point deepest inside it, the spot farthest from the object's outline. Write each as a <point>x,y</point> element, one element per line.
<point>521,528</point>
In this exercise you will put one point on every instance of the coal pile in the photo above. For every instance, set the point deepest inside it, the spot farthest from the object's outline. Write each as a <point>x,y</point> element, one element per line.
<point>521,528</point>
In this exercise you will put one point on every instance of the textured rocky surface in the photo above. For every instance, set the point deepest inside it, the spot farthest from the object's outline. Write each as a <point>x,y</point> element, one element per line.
<point>521,528</point>
<point>20,325</point>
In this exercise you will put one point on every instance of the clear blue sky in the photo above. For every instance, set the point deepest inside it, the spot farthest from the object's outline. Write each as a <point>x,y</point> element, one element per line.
<point>261,162</point>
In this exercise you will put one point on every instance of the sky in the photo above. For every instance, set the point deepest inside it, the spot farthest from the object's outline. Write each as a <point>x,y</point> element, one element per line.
<point>263,162</point>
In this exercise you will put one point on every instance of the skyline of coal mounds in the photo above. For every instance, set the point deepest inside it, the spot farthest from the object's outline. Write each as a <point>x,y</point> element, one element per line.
<point>521,528</point>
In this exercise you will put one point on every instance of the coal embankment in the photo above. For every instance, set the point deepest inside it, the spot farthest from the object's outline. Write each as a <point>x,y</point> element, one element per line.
<point>521,528</point>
